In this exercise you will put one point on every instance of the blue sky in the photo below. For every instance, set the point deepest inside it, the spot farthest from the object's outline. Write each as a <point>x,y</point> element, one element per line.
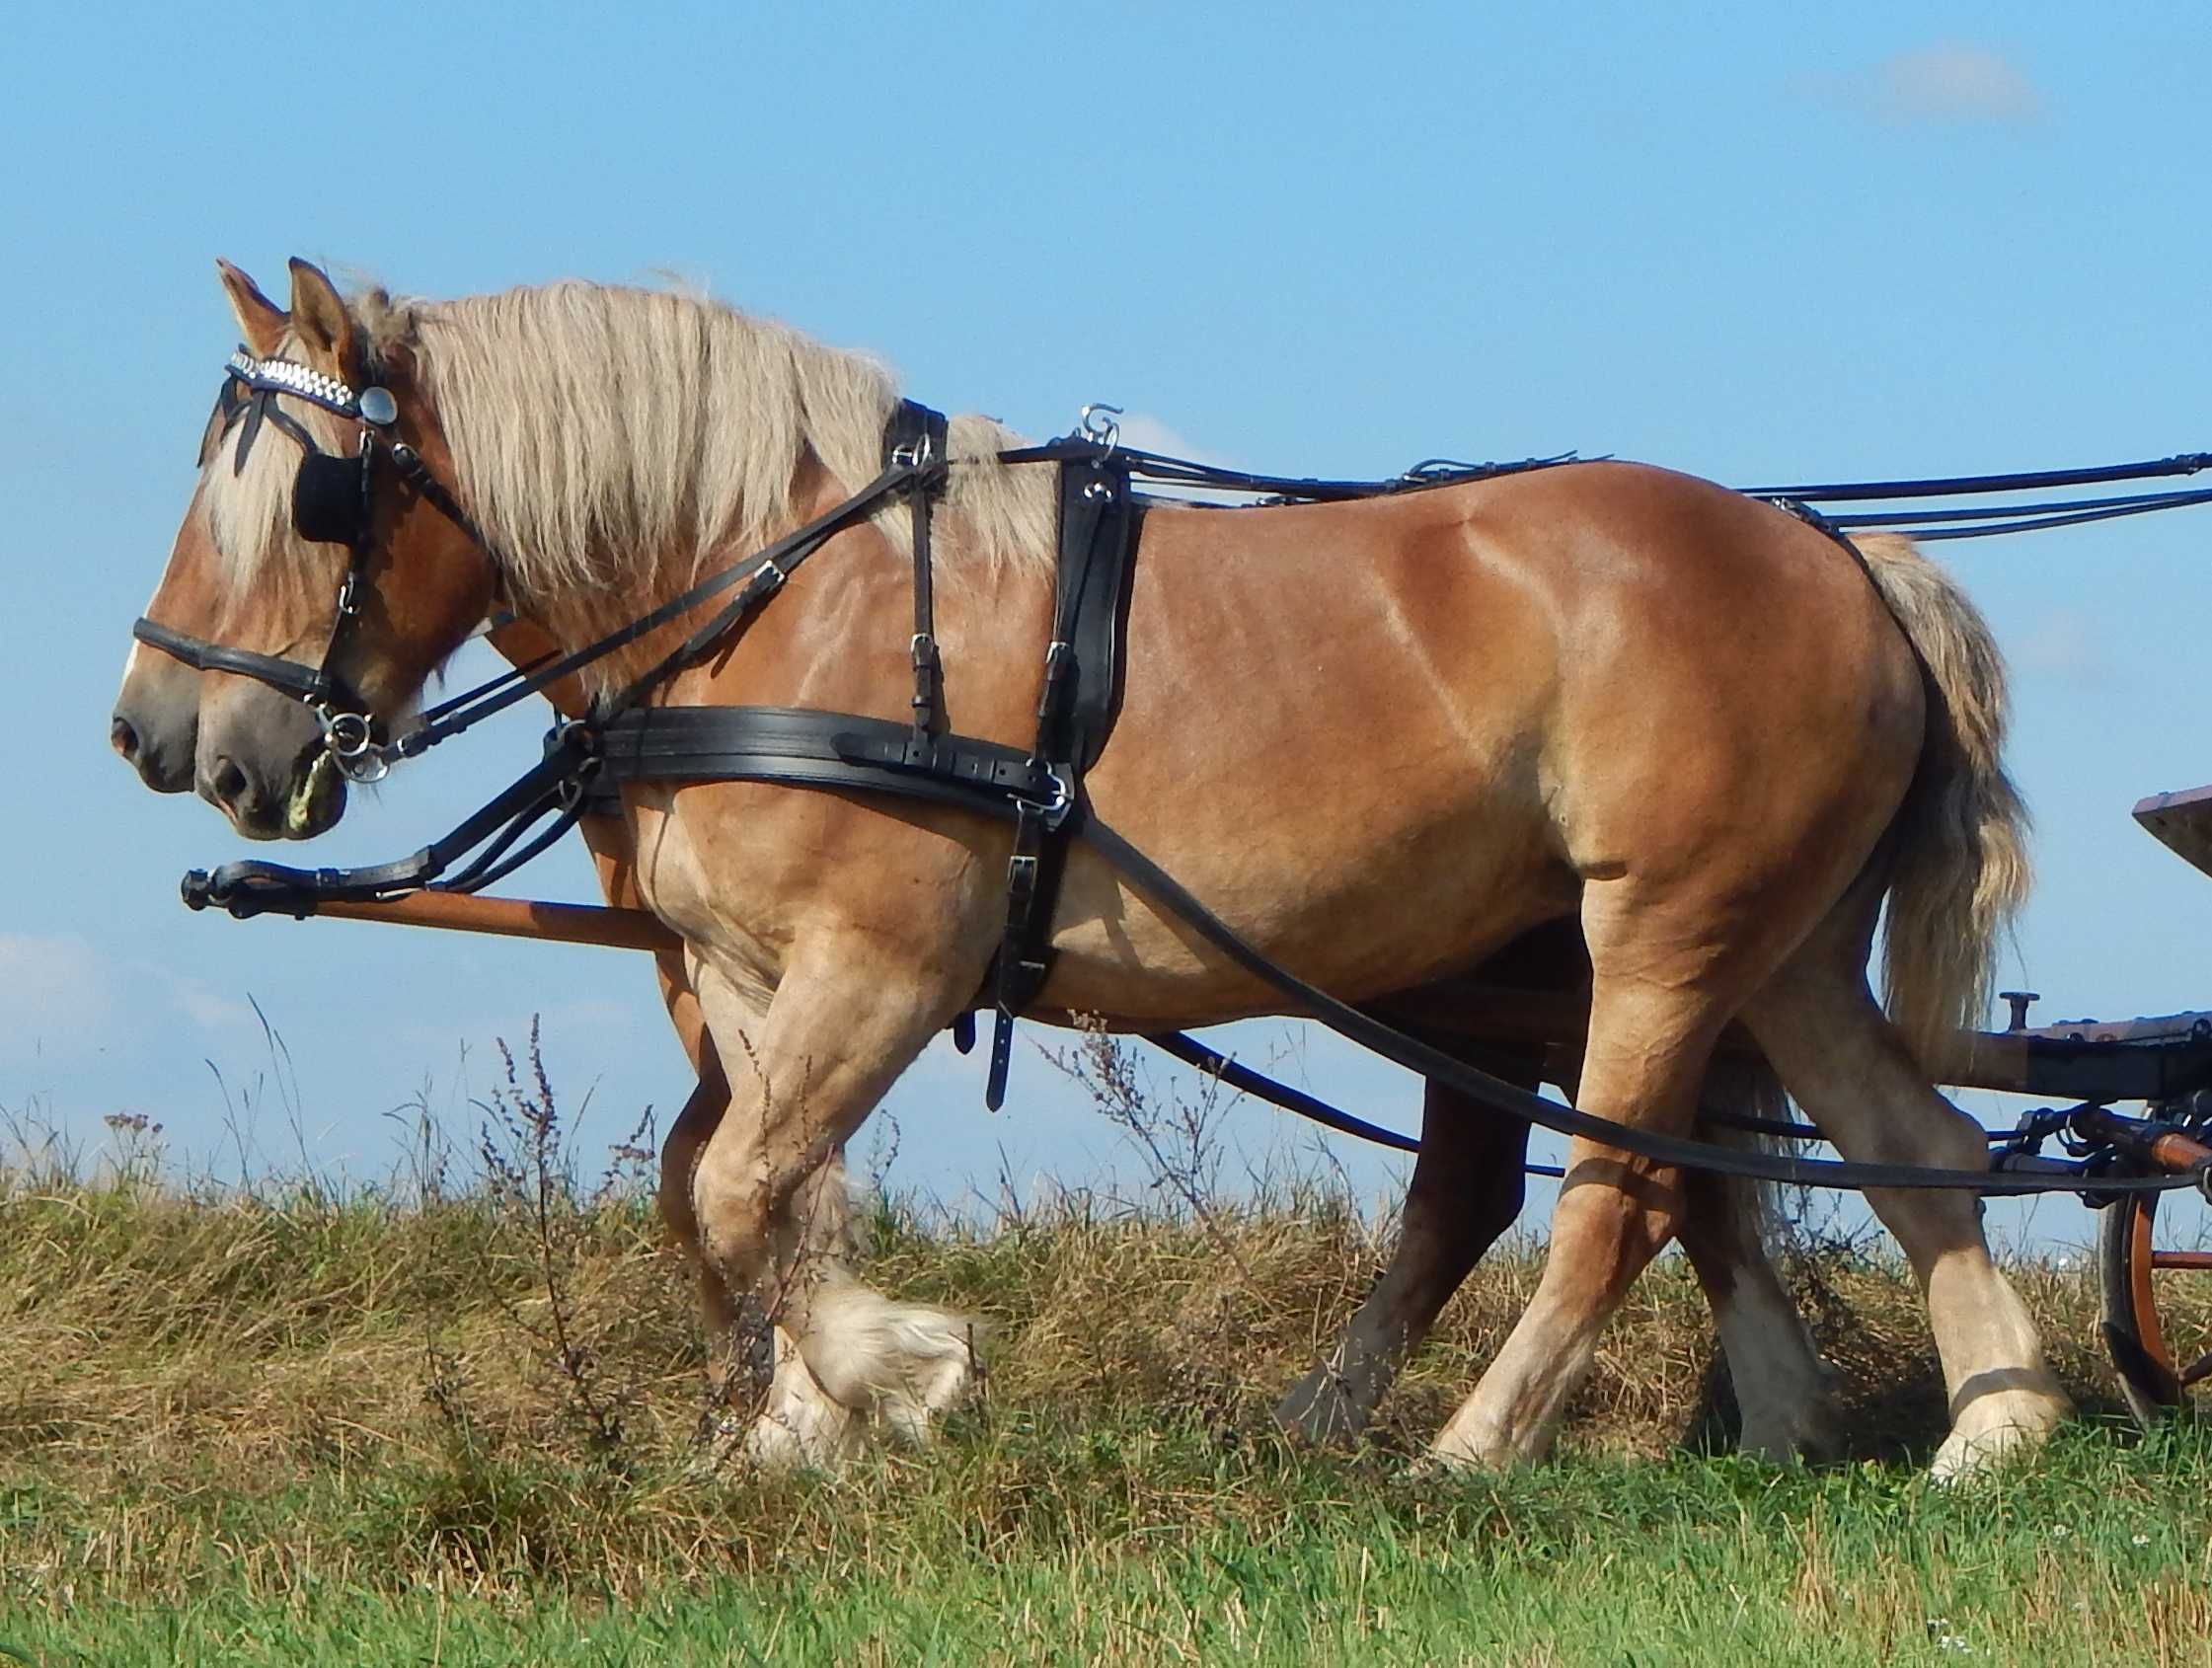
<point>1885,239</point>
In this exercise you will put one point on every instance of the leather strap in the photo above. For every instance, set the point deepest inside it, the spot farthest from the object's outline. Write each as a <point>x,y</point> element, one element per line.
<point>249,888</point>
<point>310,684</point>
<point>1076,706</point>
<point>1100,520</point>
<point>1514,1101</point>
<point>810,748</point>
<point>919,436</point>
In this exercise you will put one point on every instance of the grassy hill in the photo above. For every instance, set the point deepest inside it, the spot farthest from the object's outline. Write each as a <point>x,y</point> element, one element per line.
<point>295,1424</point>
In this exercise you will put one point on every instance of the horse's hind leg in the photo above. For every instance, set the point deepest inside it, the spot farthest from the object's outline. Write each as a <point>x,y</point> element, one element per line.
<point>1783,1391</point>
<point>1649,1040</point>
<point>1466,1191</point>
<point>1850,1070</point>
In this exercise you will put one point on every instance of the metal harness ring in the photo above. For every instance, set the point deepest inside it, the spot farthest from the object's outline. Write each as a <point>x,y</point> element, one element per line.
<point>352,744</point>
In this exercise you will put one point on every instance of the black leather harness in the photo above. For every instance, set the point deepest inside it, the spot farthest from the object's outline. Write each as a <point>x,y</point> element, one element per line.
<point>1041,790</point>
<point>1079,696</point>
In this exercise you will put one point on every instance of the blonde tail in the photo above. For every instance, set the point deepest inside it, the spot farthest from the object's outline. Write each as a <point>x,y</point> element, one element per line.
<point>1960,869</point>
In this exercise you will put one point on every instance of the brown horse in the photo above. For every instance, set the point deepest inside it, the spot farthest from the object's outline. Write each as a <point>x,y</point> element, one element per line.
<point>1465,1191</point>
<point>1600,693</point>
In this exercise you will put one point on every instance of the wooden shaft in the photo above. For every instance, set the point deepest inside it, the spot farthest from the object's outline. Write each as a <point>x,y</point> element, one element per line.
<point>517,918</point>
<point>2166,1150</point>
<point>2178,1154</point>
<point>1463,1008</point>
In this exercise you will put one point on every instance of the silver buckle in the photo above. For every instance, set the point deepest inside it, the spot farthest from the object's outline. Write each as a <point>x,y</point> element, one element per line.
<point>1062,802</point>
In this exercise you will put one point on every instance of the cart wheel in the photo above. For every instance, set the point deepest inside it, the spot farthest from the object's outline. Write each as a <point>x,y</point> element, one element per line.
<point>2133,1271</point>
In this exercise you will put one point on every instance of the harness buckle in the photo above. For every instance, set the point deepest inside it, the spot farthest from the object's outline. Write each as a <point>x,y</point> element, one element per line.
<point>1056,810</point>
<point>917,453</point>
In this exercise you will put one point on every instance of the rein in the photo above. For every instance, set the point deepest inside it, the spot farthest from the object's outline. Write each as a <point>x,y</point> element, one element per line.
<point>1041,789</point>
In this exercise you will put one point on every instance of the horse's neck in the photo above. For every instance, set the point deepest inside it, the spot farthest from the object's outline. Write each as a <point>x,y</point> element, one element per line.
<point>522,642</point>
<point>574,617</point>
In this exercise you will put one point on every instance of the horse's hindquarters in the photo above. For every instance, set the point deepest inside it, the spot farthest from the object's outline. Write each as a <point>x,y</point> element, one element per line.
<point>1380,740</point>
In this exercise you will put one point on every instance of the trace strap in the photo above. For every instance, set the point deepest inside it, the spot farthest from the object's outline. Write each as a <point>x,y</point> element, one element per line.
<point>1514,1101</point>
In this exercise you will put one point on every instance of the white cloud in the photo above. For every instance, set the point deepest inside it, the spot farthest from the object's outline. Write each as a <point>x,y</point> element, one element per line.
<point>1147,433</point>
<point>54,995</point>
<point>62,997</point>
<point>1953,81</point>
<point>2063,644</point>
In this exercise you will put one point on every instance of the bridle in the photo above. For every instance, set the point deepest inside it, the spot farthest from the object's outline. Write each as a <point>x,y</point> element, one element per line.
<point>331,505</point>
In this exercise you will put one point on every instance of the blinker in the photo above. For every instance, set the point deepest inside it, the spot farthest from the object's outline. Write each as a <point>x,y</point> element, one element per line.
<point>326,500</point>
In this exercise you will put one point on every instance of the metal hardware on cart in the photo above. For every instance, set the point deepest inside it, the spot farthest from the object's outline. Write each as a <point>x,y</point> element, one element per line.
<point>2017,1001</point>
<point>2035,1126</point>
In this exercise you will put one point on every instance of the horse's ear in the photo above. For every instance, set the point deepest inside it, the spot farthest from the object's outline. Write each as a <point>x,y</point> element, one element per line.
<point>320,321</point>
<point>261,322</point>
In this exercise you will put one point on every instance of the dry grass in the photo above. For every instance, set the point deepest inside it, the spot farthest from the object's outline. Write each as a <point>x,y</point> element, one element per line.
<point>293,1391</point>
<point>155,1341</point>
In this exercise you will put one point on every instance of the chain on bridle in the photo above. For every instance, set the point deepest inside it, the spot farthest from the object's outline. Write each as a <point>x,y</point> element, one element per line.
<point>331,505</point>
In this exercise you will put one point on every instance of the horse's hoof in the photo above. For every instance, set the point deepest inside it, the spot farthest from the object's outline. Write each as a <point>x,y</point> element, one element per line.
<point>721,1439</point>
<point>1995,1430</point>
<point>1318,1414</point>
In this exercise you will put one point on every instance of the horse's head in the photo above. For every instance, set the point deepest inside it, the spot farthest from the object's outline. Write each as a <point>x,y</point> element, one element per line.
<point>315,582</point>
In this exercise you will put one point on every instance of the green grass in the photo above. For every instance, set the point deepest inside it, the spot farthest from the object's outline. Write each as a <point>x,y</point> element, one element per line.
<point>1021,1544</point>
<point>306,1427</point>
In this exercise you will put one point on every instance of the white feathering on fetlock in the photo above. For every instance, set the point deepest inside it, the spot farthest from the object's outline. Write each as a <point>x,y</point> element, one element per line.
<point>904,1363</point>
<point>801,1425</point>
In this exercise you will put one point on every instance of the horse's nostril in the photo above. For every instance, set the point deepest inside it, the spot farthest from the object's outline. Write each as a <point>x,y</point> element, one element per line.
<point>123,738</point>
<point>229,782</point>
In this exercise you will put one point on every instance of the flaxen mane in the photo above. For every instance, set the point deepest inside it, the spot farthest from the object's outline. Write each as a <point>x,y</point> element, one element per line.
<point>602,433</point>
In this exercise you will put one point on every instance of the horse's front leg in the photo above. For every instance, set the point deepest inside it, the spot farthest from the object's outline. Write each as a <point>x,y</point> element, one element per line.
<point>804,1071</point>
